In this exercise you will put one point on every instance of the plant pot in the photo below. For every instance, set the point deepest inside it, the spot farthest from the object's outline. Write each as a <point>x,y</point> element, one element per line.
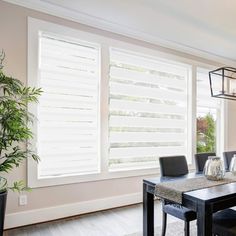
<point>3,201</point>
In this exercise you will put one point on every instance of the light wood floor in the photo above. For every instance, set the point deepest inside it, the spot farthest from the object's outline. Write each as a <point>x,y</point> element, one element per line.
<point>114,222</point>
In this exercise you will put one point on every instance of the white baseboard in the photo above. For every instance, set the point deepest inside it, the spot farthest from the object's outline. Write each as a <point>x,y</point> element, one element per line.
<point>13,220</point>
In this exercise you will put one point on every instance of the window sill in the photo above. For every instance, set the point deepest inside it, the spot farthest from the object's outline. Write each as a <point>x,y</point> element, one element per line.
<point>62,180</point>
<point>54,181</point>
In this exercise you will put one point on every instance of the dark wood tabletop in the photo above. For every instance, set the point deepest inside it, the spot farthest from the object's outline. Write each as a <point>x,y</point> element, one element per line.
<point>204,201</point>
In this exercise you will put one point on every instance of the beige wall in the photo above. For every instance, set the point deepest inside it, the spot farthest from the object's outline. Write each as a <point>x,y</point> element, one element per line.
<point>13,39</point>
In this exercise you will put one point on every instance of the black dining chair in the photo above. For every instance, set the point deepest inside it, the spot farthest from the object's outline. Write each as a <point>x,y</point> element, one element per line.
<point>227,158</point>
<point>224,223</point>
<point>175,166</point>
<point>200,160</point>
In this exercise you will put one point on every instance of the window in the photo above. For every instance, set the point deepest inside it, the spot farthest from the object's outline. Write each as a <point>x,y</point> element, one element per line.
<point>110,109</point>
<point>207,114</point>
<point>147,110</point>
<point>68,110</point>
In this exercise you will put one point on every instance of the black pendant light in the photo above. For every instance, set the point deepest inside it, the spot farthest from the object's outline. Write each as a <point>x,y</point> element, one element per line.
<point>223,83</point>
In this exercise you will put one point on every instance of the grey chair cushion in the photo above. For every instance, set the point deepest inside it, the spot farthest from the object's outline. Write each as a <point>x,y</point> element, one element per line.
<point>227,158</point>
<point>173,166</point>
<point>224,223</point>
<point>180,212</point>
<point>200,160</point>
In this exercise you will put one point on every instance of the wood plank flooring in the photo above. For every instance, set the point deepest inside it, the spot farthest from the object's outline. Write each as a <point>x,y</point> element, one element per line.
<point>114,222</point>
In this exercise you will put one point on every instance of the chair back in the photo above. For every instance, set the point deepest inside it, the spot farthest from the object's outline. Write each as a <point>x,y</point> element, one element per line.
<point>173,166</point>
<point>227,158</point>
<point>200,160</point>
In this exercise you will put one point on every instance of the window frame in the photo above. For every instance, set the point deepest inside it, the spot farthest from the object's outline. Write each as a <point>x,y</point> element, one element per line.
<point>34,26</point>
<point>161,62</point>
<point>98,79</point>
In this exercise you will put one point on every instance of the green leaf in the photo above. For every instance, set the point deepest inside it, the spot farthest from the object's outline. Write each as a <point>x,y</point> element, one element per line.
<point>14,118</point>
<point>19,186</point>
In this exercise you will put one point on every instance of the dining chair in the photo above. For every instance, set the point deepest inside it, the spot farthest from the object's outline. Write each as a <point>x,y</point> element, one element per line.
<point>175,166</point>
<point>224,223</point>
<point>200,160</point>
<point>227,158</point>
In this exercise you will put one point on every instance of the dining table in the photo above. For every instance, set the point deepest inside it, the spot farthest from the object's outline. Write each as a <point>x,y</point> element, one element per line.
<point>204,201</point>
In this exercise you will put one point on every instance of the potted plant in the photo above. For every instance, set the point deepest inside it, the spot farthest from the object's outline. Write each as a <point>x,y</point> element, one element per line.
<point>14,131</point>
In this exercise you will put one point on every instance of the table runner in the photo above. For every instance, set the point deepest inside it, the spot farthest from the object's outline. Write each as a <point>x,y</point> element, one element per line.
<point>173,190</point>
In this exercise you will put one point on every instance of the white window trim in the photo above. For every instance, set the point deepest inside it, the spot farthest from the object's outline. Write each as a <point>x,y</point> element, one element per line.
<point>34,26</point>
<point>192,116</point>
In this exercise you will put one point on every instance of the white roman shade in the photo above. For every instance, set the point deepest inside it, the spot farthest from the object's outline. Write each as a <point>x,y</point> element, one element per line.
<point>148,107</point>
<point>68,110</point>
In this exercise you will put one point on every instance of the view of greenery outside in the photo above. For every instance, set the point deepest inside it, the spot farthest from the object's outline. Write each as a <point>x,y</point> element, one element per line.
<point>206,138</point>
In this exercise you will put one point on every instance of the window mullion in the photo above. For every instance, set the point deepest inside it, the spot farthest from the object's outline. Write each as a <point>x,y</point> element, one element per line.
<point>193,112</point>
<point>104,95</point>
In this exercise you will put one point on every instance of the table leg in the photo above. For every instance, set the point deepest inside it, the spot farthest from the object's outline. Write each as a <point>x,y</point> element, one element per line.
<point>204,220</point>
<point>148,212</point>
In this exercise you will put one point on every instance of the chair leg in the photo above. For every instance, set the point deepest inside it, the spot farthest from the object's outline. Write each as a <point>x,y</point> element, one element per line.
<point>164,219</point>
<point>186,228</point>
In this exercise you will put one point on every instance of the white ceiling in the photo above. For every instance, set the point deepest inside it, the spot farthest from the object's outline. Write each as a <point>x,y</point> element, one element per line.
<point>206,26</point>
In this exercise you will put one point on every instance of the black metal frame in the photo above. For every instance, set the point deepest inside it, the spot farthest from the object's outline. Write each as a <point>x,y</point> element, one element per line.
<point>221,72</point>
